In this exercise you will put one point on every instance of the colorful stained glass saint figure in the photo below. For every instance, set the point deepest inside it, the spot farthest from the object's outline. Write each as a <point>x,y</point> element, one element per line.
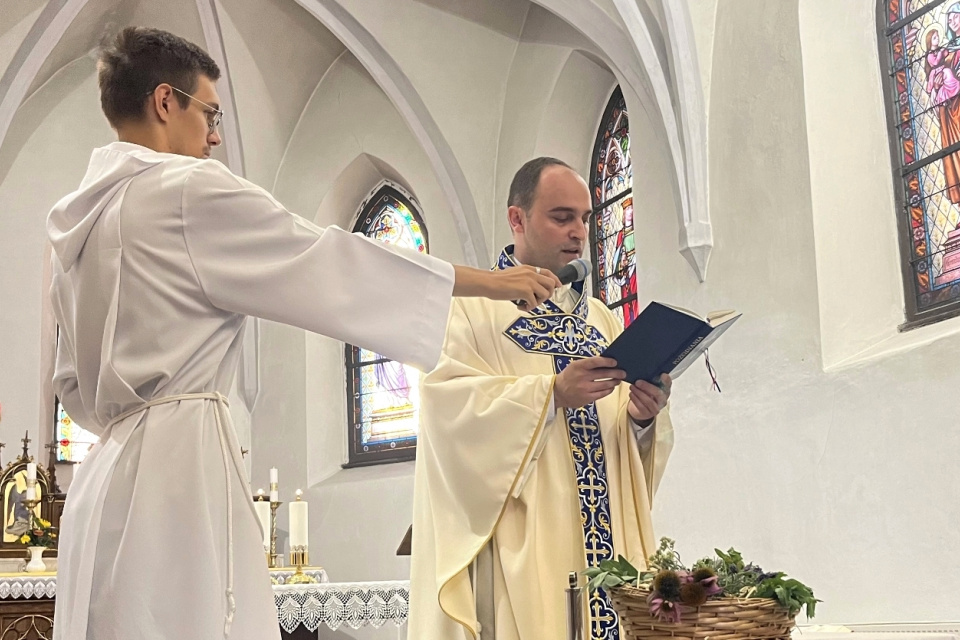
<point>73,441</point>
<point>385,394</point>
<point>615,270</point>
<point>923,47</point>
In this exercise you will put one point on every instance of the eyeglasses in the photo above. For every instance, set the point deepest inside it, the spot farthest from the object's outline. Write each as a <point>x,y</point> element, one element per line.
<point>214,116</point>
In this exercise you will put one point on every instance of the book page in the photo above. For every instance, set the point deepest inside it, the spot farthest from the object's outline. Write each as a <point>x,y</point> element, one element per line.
<point>714,318</point>
<point>717,318</point>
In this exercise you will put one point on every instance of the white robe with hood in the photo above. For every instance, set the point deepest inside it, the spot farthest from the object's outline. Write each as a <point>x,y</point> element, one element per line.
<point>158,261</point>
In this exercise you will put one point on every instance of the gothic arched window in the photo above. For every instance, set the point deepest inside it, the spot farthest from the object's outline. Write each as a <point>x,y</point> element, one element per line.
<point>383,401</point>
<point>611,232</point>
<point>920,49</point>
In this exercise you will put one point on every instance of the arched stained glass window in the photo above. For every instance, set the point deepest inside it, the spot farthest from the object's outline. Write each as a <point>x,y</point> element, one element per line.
<point>611,233</point>
<point>382,395</point>
<point>920,49</point>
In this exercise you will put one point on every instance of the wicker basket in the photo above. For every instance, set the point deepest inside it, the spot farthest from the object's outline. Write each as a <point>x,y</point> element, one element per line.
<point>717,619</point>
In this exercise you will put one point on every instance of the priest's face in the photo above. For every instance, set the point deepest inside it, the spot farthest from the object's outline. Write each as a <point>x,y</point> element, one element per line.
<point>193,131</point>
<point>554,230</point>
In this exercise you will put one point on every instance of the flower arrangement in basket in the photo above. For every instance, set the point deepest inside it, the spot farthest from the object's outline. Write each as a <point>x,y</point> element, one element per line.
<point>40,533</point>
<point>719,597</point>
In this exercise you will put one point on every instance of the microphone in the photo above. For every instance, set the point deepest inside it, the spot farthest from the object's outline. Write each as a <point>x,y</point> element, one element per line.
<point>574,271</point>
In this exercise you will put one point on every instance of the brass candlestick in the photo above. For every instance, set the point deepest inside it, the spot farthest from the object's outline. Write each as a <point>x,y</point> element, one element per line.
<point>31,503</point>
<point>273,558</point>
<point>299,558</point>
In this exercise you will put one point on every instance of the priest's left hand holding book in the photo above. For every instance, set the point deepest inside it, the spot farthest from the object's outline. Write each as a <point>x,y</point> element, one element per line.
<point>159,257</point>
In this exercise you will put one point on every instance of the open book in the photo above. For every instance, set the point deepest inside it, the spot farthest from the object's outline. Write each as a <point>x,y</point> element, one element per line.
<point>665,339</point>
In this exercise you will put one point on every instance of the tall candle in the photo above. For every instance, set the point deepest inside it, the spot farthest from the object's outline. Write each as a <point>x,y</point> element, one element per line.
<point>31,480</point>
<point>298,522</point>
<point>274,486</point>
<point>262,508</point>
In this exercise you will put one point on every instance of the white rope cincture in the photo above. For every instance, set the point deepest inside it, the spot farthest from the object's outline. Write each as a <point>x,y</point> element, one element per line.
<point>222,402</point>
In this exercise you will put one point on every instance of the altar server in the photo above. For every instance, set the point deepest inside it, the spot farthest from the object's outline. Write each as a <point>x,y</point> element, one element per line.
<point>159,257</point>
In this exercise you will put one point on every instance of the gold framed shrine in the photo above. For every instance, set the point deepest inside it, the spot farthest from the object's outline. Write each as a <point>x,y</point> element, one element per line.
<point>13,492</point>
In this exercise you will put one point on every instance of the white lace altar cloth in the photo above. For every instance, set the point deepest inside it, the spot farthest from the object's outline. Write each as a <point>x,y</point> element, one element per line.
<point>335,604</point>
<point>44,585</point>
<point>25,585</point>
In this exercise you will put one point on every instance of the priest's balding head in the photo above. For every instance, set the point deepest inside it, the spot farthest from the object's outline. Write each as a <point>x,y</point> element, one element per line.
<point>159,91</point>
<point>549,208</point>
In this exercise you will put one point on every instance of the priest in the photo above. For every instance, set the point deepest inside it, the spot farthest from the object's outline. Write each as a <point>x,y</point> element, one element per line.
<point>534,458</point>
<point>159,257</point>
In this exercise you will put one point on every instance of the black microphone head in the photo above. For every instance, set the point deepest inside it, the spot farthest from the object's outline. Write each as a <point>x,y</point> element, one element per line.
<point>574,271</point>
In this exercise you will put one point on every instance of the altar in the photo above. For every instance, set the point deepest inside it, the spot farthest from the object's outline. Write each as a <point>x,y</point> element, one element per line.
<point>304,611</point>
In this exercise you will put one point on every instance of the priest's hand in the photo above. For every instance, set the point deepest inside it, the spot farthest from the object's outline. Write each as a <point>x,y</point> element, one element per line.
<point>647,400</point>
<point>585,381</point>
<point>530,286</point>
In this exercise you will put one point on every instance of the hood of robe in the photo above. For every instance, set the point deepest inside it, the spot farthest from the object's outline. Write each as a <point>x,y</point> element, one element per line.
<point>111,168</point>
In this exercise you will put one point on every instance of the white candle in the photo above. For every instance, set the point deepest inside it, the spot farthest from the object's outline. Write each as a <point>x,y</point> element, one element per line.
<point>31,480</point>
<point>274,486</point>
<point>262,508</point>
<point>298,522</point>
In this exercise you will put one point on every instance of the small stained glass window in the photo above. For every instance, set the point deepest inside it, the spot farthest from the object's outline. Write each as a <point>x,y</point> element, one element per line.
<point>611,232</point>
<point>382,395</point>
<point>73,441</point>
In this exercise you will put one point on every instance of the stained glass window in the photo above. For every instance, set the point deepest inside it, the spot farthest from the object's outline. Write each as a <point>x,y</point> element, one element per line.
<point>920,47</point>
<point>73,441</point>
<point>382,395</point>
<point>611,234</point>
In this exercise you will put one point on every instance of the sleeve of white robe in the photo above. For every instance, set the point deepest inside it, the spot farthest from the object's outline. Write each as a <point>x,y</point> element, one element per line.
<point>254,257</point>
<point>67,388</point>
<point>478,429</point>
<point>654,443</point>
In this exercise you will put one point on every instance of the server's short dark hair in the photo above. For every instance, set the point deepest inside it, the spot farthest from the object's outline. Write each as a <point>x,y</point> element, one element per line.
<point>138,60</point>
<point>523,188</point>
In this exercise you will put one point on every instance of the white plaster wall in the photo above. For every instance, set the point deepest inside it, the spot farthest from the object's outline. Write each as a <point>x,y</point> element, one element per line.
<point>703,15</point>
<point>843,479</point>
<point>579,97</point>
<point>272,83</point>
<point>556,92</point>
<point>457,54</point>
<point>18,17</point>
<point>44,156</point>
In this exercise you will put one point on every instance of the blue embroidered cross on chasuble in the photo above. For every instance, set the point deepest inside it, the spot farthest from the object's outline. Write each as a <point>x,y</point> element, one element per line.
<point>567,337</point>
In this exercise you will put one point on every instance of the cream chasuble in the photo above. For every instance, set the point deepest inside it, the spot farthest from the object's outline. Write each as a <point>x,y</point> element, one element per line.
<point>550,495</point>
<point>158,260</point>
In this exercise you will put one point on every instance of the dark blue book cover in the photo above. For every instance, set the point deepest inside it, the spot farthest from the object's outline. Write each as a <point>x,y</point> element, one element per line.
<point>664,340</point>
